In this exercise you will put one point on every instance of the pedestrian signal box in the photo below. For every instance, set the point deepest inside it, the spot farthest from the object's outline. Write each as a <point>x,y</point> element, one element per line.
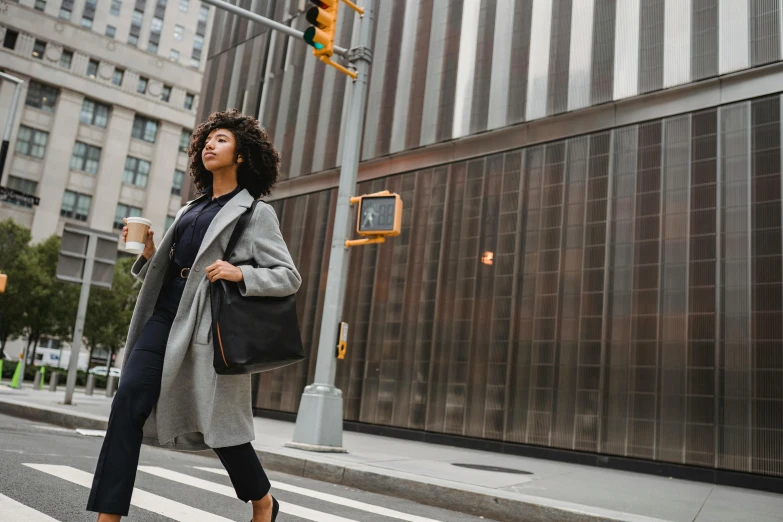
<point>3,280</point>
<point>378,215</point>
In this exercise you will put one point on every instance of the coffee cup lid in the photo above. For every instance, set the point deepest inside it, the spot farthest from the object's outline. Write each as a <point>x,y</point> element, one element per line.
<point>141,220</point>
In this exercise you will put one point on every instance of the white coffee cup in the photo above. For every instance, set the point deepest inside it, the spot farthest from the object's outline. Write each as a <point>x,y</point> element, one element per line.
<point>137,234</point>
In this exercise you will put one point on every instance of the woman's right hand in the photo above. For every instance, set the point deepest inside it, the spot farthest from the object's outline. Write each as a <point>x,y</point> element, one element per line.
<point>149,244</point>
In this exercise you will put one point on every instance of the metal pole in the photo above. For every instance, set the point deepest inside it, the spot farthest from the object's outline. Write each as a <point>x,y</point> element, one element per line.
<point>319,423</point>
<point>84,298</point>
<point>277,26</point>
<point>9,123</point>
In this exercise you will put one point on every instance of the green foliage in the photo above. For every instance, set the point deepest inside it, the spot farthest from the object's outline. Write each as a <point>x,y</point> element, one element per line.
<point>14,251</point>
<point>109,311</point>
<point>36,305</point>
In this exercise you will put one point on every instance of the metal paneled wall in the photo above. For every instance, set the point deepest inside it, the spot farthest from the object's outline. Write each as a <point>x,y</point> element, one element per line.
<point>764,31</point>
<point>618,293</point>
<point>559,54</point>
<point>602,70</point>
<point>704,39</point>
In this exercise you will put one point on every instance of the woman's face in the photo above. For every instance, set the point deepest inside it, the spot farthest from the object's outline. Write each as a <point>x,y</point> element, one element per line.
<point>219,150</point>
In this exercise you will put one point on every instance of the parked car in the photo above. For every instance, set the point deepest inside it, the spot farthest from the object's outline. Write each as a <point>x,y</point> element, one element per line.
<point>101,370</point>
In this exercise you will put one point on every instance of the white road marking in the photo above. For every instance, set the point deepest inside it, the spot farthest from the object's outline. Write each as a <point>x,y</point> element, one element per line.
<point>10,509</point>
<point>347,502</point>
<point>285,507</point>
<point>141,499</point>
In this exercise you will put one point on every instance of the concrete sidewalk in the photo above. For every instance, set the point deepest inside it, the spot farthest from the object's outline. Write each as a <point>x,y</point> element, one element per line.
<point>426,473</point>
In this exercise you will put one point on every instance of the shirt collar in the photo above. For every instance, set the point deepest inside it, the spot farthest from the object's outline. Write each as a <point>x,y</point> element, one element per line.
<point>222,200</point>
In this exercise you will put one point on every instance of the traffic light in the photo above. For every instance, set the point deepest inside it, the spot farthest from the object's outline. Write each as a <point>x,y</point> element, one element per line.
<point>3,280</point>
<point>320,35</point>
<point>379,215</point>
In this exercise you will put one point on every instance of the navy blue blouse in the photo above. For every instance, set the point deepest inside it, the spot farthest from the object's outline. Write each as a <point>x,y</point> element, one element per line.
<point>193,225</point>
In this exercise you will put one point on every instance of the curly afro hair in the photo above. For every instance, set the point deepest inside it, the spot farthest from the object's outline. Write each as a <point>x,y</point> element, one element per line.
<point>258,173</point>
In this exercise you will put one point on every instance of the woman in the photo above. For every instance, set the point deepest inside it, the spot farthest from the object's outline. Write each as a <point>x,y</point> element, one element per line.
<point>170,395</point>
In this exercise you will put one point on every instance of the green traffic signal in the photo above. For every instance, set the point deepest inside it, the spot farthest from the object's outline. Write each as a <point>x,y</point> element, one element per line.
<point>309,36</point>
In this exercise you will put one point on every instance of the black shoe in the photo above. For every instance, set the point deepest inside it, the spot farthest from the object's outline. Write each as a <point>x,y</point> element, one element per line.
<point>275,509</point>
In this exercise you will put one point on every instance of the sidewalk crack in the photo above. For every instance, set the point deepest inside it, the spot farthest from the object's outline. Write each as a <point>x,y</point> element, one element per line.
<point>703,504</point>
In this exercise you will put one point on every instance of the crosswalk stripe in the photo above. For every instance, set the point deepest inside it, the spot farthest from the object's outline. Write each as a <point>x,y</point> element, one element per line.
<point>10,509</point>
<point>285,507</point>
<point>347,502</point>
<point>142,499</point>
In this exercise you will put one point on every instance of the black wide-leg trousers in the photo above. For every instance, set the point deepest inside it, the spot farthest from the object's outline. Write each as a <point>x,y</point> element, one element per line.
<point>137,394</point>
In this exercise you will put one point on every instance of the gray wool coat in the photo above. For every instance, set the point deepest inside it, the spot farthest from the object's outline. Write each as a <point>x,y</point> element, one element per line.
<point>197,408</point>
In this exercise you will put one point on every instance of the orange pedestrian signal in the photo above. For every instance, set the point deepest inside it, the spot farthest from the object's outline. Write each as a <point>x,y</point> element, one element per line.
<point>3,280</point>
<point>378,215</point>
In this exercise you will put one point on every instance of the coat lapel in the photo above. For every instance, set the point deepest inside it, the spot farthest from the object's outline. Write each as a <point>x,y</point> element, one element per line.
<point>230,212</point>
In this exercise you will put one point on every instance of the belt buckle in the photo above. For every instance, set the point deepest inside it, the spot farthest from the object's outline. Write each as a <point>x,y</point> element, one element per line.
<point>184,273</point>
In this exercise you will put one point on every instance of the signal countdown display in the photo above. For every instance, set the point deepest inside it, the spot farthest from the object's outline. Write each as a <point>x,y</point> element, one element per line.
<point>379,215</point>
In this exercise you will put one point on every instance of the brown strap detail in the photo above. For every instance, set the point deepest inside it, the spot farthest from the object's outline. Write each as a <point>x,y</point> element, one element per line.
<point>220,342</point>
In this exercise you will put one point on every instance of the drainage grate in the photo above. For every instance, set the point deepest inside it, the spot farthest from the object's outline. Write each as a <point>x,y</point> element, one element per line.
<point>495,469</point>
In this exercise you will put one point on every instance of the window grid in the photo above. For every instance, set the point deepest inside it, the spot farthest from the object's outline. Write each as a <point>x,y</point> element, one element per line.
<point>85,157</point>
<point>136,172</point>
<point>22,185</point>
<point>124,211</point>
<point>75,206</point>
<point>31,142</point>
<point>94,113</point>
<point>145,129</point>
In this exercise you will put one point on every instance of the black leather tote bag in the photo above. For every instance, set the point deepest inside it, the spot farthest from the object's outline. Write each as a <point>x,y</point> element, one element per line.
<point>251,334</point>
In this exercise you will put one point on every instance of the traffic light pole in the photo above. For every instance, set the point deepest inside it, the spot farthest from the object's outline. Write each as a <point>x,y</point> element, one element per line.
<point>277,26</point>
<point>319,423</point>
<point>9,124</point>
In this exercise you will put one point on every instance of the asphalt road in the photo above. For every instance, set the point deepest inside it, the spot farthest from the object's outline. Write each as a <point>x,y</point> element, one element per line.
<point>45,472</point>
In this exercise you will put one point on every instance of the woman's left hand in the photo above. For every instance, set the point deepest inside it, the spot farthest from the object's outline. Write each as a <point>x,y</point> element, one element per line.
<point>224,270</point>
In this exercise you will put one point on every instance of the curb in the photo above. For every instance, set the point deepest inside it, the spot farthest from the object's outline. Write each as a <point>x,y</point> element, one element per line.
<point>483,502</point>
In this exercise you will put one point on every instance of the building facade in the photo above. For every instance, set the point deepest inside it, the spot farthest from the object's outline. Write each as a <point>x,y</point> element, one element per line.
<point>592,250</point>
<point>109,102</point>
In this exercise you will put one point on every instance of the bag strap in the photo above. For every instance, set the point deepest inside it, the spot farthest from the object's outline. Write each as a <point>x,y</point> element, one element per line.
<point>238,230</point>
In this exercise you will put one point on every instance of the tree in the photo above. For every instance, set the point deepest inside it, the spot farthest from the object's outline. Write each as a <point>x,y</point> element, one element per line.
<point>50,308</point>
<point>109,311</point>
<point>14,240</point>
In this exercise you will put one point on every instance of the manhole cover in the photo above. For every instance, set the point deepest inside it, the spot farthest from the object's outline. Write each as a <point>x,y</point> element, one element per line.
<point>496,469</point>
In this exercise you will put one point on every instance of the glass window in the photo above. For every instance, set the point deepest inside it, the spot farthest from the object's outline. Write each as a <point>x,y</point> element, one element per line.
<point>137,17</point>
<point>66,59</point>
<point>65,14</point>
<point>169,222</point>
<point>179,32</point>
<point>111,31</point>
<point>189,101</point>
<point>86,22</point>
<point>203,13</point>
<point>9,42</point>
<point>184,140</point>
<point>92,68</point>
<point>198,42</point>
<point>40,5</point>
<point>165,93</point>
<point>116,5</point>
<point>141,87</point>
<point>116,77</point>
<point>22,185</point>
<point>94,113</point>
<point>136,172</point>
<point>75,205</point>
<point>176,184</point>
<point>157,25</point>
<point>195,62</point>
<point>124,211</point>
<point>85,157</point>
<point>184,5</point>
<point>41,96</point>
<point>133,40</point>
<point>145,129</point>
<point>174,55</point>
<point>39,47</point>
<point>152,47</point>
<point>31,142</point>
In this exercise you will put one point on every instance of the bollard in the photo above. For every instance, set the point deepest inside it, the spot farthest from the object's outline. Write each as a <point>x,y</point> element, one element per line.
<point>1,370</point>
<point>43,378</point>
<point>110,386</point>
<point>16,380</point>
<point>37,381</point>
<point>53,378</point>
<point>90,384</point>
